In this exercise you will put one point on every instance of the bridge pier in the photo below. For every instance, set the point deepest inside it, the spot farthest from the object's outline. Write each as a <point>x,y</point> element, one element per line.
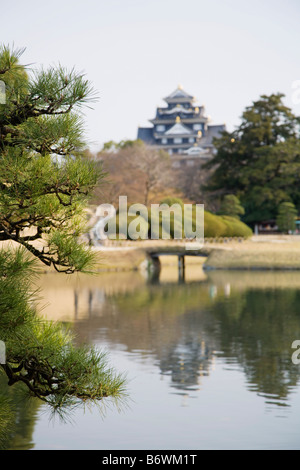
<point>153,255</point>
<point>153,268</point>
<point>181,268</point>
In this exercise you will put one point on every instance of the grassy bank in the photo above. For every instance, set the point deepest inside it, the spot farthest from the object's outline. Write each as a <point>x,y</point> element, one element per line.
<point>260,253</point>
<point>281,252</point>
<point>257,253</point>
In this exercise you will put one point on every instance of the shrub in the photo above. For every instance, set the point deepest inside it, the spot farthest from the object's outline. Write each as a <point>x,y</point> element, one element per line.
<point>235,228</point>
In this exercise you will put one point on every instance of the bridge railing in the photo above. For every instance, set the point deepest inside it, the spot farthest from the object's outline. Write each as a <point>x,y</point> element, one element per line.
<point>136,243</point>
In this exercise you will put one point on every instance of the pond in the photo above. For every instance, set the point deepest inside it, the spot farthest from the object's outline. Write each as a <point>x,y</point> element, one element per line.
<point>208,361</point>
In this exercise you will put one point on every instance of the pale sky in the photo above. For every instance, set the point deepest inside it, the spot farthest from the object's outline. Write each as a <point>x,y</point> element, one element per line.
<point>135,52</point>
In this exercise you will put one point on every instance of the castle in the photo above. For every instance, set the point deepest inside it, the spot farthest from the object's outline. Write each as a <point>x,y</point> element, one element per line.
<point>182,129</point>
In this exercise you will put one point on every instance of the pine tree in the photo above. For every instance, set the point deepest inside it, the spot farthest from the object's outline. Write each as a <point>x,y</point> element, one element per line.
<point>286,217</point>
<point>231,206</point>
<point>44,181</point>
<point>259,161</point>
<point>44,187</point>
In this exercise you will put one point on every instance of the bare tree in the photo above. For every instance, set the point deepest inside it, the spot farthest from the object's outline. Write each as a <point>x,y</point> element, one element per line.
<point>137,171</point>
<point>154,167</point>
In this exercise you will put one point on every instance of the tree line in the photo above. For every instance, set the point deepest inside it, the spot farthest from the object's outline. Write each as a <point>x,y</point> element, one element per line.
<point>254,174</point>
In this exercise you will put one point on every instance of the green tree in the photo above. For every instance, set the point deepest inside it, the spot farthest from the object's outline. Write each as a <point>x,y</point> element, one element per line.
<point>231,206</point>
<point>260,160</point>
<point>286,217</point>
<point>44,187</point>
<point>44,181</point>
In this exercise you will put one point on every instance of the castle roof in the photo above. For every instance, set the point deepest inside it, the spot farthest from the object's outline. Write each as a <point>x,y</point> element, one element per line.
<point>213,131</point>
<point>177,109</point>
<point>178,129</point>
<point>146,134</point>
<point>179,95</point>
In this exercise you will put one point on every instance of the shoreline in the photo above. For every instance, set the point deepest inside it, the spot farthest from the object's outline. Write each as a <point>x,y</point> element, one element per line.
<point>258,253</point>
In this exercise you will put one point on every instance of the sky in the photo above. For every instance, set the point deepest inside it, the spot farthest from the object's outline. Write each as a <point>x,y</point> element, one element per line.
<point>226,53</point>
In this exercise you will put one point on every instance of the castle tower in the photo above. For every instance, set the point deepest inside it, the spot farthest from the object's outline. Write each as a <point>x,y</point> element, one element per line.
<point>181,128</point>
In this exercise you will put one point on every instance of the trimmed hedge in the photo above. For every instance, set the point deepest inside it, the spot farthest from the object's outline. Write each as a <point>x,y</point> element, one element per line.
<point>215,226</point>
<point>236,228</point>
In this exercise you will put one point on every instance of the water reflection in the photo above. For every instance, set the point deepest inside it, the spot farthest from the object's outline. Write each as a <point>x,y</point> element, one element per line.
<point>17,417</point>
<point>213,328</point>
<point>248,319</point>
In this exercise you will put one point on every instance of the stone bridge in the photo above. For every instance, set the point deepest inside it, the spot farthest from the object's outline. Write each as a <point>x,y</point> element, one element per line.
<point>154,253</point>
